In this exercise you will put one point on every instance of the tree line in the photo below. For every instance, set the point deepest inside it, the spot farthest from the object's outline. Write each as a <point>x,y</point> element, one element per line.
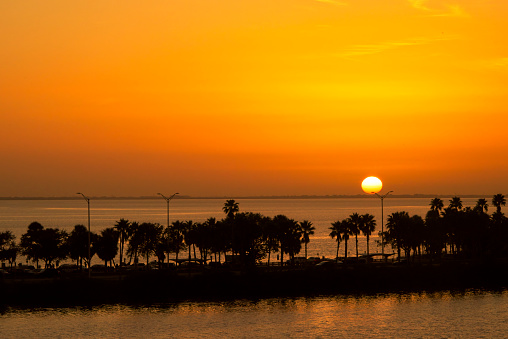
<point>469,233</point>
<point>249,237</point>
<point>464,232</point>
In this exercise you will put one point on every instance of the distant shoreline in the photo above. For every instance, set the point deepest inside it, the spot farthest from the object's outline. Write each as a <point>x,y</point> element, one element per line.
<point>183,197</point>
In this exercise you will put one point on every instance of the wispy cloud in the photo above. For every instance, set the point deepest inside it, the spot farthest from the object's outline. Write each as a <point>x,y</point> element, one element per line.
<point>437,10</point>
<point>359,50</point>
<point>419,4</point>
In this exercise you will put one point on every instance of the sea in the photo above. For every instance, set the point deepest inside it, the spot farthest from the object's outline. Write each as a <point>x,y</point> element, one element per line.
<point>426,314</point>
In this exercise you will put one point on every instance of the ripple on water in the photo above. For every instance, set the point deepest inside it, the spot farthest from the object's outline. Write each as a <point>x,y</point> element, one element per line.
<point>471,313</point>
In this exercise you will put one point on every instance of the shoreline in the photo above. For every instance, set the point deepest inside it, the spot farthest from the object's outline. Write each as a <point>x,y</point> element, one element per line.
<point>165,286</point>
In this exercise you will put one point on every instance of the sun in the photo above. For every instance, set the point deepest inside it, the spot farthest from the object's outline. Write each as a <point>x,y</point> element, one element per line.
<point>371,185</point>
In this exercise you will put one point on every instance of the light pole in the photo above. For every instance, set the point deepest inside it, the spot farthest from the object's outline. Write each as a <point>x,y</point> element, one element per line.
<point>167,201</point>
<point>382,197</point>
<point>88,202</point>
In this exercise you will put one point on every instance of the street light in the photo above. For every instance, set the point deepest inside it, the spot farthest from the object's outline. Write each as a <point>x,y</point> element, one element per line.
<point>88,202</point>
<point>167,201</point>
<point>382,197</point>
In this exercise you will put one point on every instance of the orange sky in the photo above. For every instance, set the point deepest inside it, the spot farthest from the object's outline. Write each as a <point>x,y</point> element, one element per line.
<point>253,97</point>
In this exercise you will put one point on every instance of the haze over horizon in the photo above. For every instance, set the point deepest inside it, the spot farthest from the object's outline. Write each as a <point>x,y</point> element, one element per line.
<point>253,98</point>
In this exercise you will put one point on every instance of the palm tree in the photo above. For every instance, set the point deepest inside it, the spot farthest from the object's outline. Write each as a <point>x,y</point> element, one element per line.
<point>270,236</point>
<point>176,237</point>
<point>498,200</point>
<point>307,230</point>
<point>289,236</point>
<point>355,219</point>
<point>404,232</point>
<point>205,237</point>
<point>123,228</point>
<point>230,208</point>
<point>436,204</point>
<point>336,232</point>
<point>482,205</point>
<point>188,236</point>
<point>367,226</point>
<point>396,228</point>
<point>135,240</point>
<point>346,229</point>
<point>455,203</point>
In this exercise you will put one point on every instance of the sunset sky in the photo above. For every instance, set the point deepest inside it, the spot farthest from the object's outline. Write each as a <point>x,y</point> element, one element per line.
<point>253,97</point>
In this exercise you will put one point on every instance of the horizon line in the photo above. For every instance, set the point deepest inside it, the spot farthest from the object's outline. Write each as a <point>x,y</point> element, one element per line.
<point>302,196</point>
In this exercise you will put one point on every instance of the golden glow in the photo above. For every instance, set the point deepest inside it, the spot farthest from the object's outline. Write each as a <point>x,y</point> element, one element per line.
<point>252,97</point>
<point>371,185</point>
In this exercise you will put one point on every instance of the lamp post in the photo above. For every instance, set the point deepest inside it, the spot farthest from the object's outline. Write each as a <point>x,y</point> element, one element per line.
<point>88,202</point>
<point>382,197</point>
<point>167,201</point>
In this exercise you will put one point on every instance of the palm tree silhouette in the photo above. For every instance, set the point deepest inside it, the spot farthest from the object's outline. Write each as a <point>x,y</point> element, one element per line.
<point>176,236</point>
<point>455,203</point>
<point>367,226</point>
<point>346,229</point>
<point>230,208</point>
<point>123,228</point>
<point>336,232</point>
<point>270,236</point>
<point>397,226</point>
<point>355,219</point>
<point>307,229</point>
<point>436,204</point>
<point>289,236</point>
<point>188,236</point>
<point>482,205</point>
<point>498,200</point>
<point>135,240</point>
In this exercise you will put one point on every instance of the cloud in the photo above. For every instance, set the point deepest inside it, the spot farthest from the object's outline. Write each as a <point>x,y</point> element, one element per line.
<point>359,50</point>
<point>419,4</point>
<point>439,11</point>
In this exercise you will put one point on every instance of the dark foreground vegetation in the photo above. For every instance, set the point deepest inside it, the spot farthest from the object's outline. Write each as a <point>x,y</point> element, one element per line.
<point>451,248</point>
<point>163,286</point>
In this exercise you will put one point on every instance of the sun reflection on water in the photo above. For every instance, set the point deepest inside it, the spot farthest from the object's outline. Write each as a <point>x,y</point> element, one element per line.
<point>424,314</point>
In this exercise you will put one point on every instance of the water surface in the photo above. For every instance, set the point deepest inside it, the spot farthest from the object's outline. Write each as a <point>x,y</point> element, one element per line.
<point>470,314</point>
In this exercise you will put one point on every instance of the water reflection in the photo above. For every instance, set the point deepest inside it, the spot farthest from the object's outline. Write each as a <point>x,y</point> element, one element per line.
<point>445,314</point>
